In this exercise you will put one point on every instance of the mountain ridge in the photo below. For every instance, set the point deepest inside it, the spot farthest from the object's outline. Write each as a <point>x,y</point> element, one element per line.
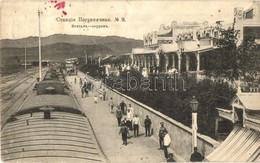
<point>60,46</point>
<point>32,41</point>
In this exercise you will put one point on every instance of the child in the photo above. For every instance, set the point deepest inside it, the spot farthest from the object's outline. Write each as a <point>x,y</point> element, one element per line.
<point>111,104</point>
<point>100,96</point>
<point>95,99</point>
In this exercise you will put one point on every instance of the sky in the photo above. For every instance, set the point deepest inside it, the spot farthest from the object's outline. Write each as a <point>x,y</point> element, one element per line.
<point>20,19</point>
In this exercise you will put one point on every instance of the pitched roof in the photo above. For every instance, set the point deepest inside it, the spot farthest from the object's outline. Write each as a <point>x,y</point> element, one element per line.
<point>143,51</point>
<point>251,101</point>
<point>241,145</point>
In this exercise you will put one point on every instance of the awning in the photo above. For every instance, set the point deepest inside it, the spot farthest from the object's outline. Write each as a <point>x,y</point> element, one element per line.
<point>168,48</point>
<point>242,145</point>
<point>192,46</point>
<point>143,51</point>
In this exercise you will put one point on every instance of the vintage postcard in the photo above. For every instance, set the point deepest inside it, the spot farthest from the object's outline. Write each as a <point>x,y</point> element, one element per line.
<point>130,80</point>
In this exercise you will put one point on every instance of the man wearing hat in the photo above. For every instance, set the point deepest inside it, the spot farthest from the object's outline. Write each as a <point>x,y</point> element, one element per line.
<point>170,159</point>
<point>124,131</point>
<point>161,135</point>
<point>196,156</point>
<point>147,125</point>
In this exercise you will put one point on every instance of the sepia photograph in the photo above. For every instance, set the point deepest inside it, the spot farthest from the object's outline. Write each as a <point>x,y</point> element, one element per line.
<point>133,81</point>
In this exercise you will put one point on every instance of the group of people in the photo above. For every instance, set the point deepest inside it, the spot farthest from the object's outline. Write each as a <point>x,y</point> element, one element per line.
<point>85,86</point>
<point>164,142</point>
<point>126,124</point>
<point>129,121</point>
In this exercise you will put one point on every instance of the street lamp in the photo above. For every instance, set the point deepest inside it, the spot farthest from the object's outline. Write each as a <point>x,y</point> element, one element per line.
<point>194,106</point>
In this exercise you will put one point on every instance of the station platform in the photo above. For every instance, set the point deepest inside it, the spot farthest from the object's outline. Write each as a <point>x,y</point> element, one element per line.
<point>104,124</point>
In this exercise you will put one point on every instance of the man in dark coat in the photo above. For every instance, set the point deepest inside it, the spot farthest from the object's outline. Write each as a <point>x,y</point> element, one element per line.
<point>147,125</point>
<point>124,131</point>
<point>170,159</point>
<point>161,135</point>
<point>123,107</point>
<point>119,115</point>
<point>196,156</point>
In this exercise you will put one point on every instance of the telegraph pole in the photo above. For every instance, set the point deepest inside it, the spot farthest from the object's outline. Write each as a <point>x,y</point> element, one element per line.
<point>25,58</point>
<point>40,55</point>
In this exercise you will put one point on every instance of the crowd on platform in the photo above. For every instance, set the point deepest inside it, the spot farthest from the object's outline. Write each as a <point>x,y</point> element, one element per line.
<point>128,121</point>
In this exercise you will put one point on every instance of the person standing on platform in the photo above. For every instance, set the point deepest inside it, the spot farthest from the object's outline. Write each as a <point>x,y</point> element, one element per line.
<point>80,82</point>
<point>104,94</point>
<point>95,99</point>
<point>129,118</point>
<point>147,125</point>
<point>136,122</point>
<point>166,143</point>
<point>86,92</point>
<point>124,120</point>
<point>196,156</point>
<point>111,104</point>
<point>161,135</point>
<point>83,89</point>
<point>75,80</point>
<point>124,131</point>
<point>119,115</point>
<point>123,107</point>
<point>100,96</point>
<point>131,109</point>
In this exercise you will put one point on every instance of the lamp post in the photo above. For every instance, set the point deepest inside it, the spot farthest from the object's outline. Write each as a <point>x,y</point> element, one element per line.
<point>194,106</point>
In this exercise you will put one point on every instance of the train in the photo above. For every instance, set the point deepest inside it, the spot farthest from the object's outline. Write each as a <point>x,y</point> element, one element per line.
<point>71,66</point>
<point>49,126</point>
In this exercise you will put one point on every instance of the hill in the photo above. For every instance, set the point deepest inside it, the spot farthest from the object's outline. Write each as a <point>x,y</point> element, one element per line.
<point>118,45</point>
<point>56,52</point>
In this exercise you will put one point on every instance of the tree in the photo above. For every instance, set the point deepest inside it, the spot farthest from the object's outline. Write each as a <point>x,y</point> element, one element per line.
<point>236,62</point>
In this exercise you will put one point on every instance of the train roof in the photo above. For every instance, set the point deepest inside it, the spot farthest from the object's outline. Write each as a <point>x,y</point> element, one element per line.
<point>35,103</point>
<point>65,137</point>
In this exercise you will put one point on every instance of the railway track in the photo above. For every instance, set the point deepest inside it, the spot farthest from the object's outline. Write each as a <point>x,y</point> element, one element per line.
<point>14,95</point>
<point>4,110</point>
<point>5,91</point>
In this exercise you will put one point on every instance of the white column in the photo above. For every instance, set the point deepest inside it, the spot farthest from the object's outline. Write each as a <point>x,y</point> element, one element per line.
<point>179,62</point>
<point>194,129</point>
<point>166,61</point>
<point>198,61</point>
<point>187,62</point>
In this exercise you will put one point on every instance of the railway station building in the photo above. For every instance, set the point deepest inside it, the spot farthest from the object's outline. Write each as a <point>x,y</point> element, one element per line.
<point>187,47</point>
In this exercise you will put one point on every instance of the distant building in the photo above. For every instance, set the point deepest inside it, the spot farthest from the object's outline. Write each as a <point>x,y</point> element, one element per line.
<point>248,22</point>
<point>179,46</point>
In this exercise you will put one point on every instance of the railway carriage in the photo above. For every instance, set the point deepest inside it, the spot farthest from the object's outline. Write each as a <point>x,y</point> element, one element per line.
<point>49,127</point>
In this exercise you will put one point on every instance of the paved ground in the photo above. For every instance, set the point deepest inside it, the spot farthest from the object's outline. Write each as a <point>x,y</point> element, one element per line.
<point>139,149</point>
